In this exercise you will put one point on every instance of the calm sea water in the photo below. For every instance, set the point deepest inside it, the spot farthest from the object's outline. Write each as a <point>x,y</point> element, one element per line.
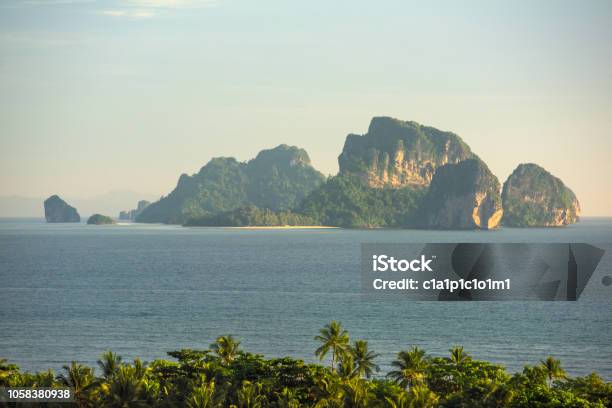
<point>70,292</point>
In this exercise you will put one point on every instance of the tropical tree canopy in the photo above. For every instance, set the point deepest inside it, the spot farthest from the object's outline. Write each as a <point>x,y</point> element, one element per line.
<point>225,376</point>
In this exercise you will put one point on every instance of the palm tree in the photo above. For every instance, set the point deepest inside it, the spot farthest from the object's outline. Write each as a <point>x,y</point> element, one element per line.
<point>410,367</point>
<point>334,338</point>
<point>423,397</point>
<point>140,368</point>
<point>552,368</point>
<point>80,379</point>
<point>346,366</point>
<point>356,393</point>
<point>287,398</point>
<point>109,364</point>
<point>226,347</point>
<point>400,400</point>
<point>328,392</point>
<point>363,359</point>
<point>499,394</point>
<point>250,395</point>
<point>151,390</point>
<point>458,356</point>
<point>125,389</point>
<point>44,379</point>
<point>202,396</point>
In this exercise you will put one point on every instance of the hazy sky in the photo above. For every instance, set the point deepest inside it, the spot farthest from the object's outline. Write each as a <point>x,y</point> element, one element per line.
<point>127,94</point>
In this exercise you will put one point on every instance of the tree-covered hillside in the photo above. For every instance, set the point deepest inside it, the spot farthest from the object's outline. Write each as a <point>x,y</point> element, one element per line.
<point>345,201</point>
<point>276,179</point>
<point>252,216</point>
<point>399,174</point>
<point>532,197</point>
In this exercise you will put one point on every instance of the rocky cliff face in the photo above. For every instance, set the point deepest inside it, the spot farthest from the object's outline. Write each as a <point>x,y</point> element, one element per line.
<point>462,196</point>
<point>277,179</point>
<point>57,210</point>
<point>532,197</point>
<point>397,154</point>
<point>132,214</point>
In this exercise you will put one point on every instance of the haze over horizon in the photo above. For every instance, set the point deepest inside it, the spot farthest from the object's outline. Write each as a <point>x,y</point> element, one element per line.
<point>99,96</point>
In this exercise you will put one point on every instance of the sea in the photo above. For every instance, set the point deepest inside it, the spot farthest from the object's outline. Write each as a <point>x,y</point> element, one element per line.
<point>72,291</point>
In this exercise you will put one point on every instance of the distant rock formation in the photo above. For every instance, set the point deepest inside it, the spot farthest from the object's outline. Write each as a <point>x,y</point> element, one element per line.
<point>398,174</point>
<point>462,196</point>
<point>57,210</point>
<point>277,179</point>
<point>397,154</point>
<point>532,197</point>
<point>130,215</point>
<point>99,219</point>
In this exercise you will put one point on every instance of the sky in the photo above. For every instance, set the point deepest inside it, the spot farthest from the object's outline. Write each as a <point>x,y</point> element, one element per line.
<point>128,94</point>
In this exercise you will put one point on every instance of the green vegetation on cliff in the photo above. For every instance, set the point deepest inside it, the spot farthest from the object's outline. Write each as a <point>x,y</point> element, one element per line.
<point>400,153</point>
<point>219,186</point>
<point>399,174</point>
<point>280,178</point>
<point>99,219</point>
<point>252,216</point>
<point>345,201</point>
<point>386,173</point>
<point>532,197</point>
<point>226,376</point>
<point>277,179</point>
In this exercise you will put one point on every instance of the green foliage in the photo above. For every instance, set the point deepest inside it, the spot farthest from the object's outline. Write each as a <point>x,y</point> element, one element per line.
<point>344,201</point>
<point>409,367</point>
<point>280,178</point>
<point>363,359</point>
<point>335,339</point>
<point>552,368</point>
<point>533,197</point>
<point>109,363</point>
<point>252,216</point>
<point>590,388</point>
<point>518,213</point>
<point>99,219</point>
<point>277,179</point>
<point>226,347</point>
<point>219,186</point>
<point>226,376</point>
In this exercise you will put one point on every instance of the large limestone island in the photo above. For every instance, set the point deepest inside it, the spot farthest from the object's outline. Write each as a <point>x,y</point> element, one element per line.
<point>533,197</point>
<point>399,174</point>
<point>277,179</point>
<point>403,174</point>
<point>57,210</point>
